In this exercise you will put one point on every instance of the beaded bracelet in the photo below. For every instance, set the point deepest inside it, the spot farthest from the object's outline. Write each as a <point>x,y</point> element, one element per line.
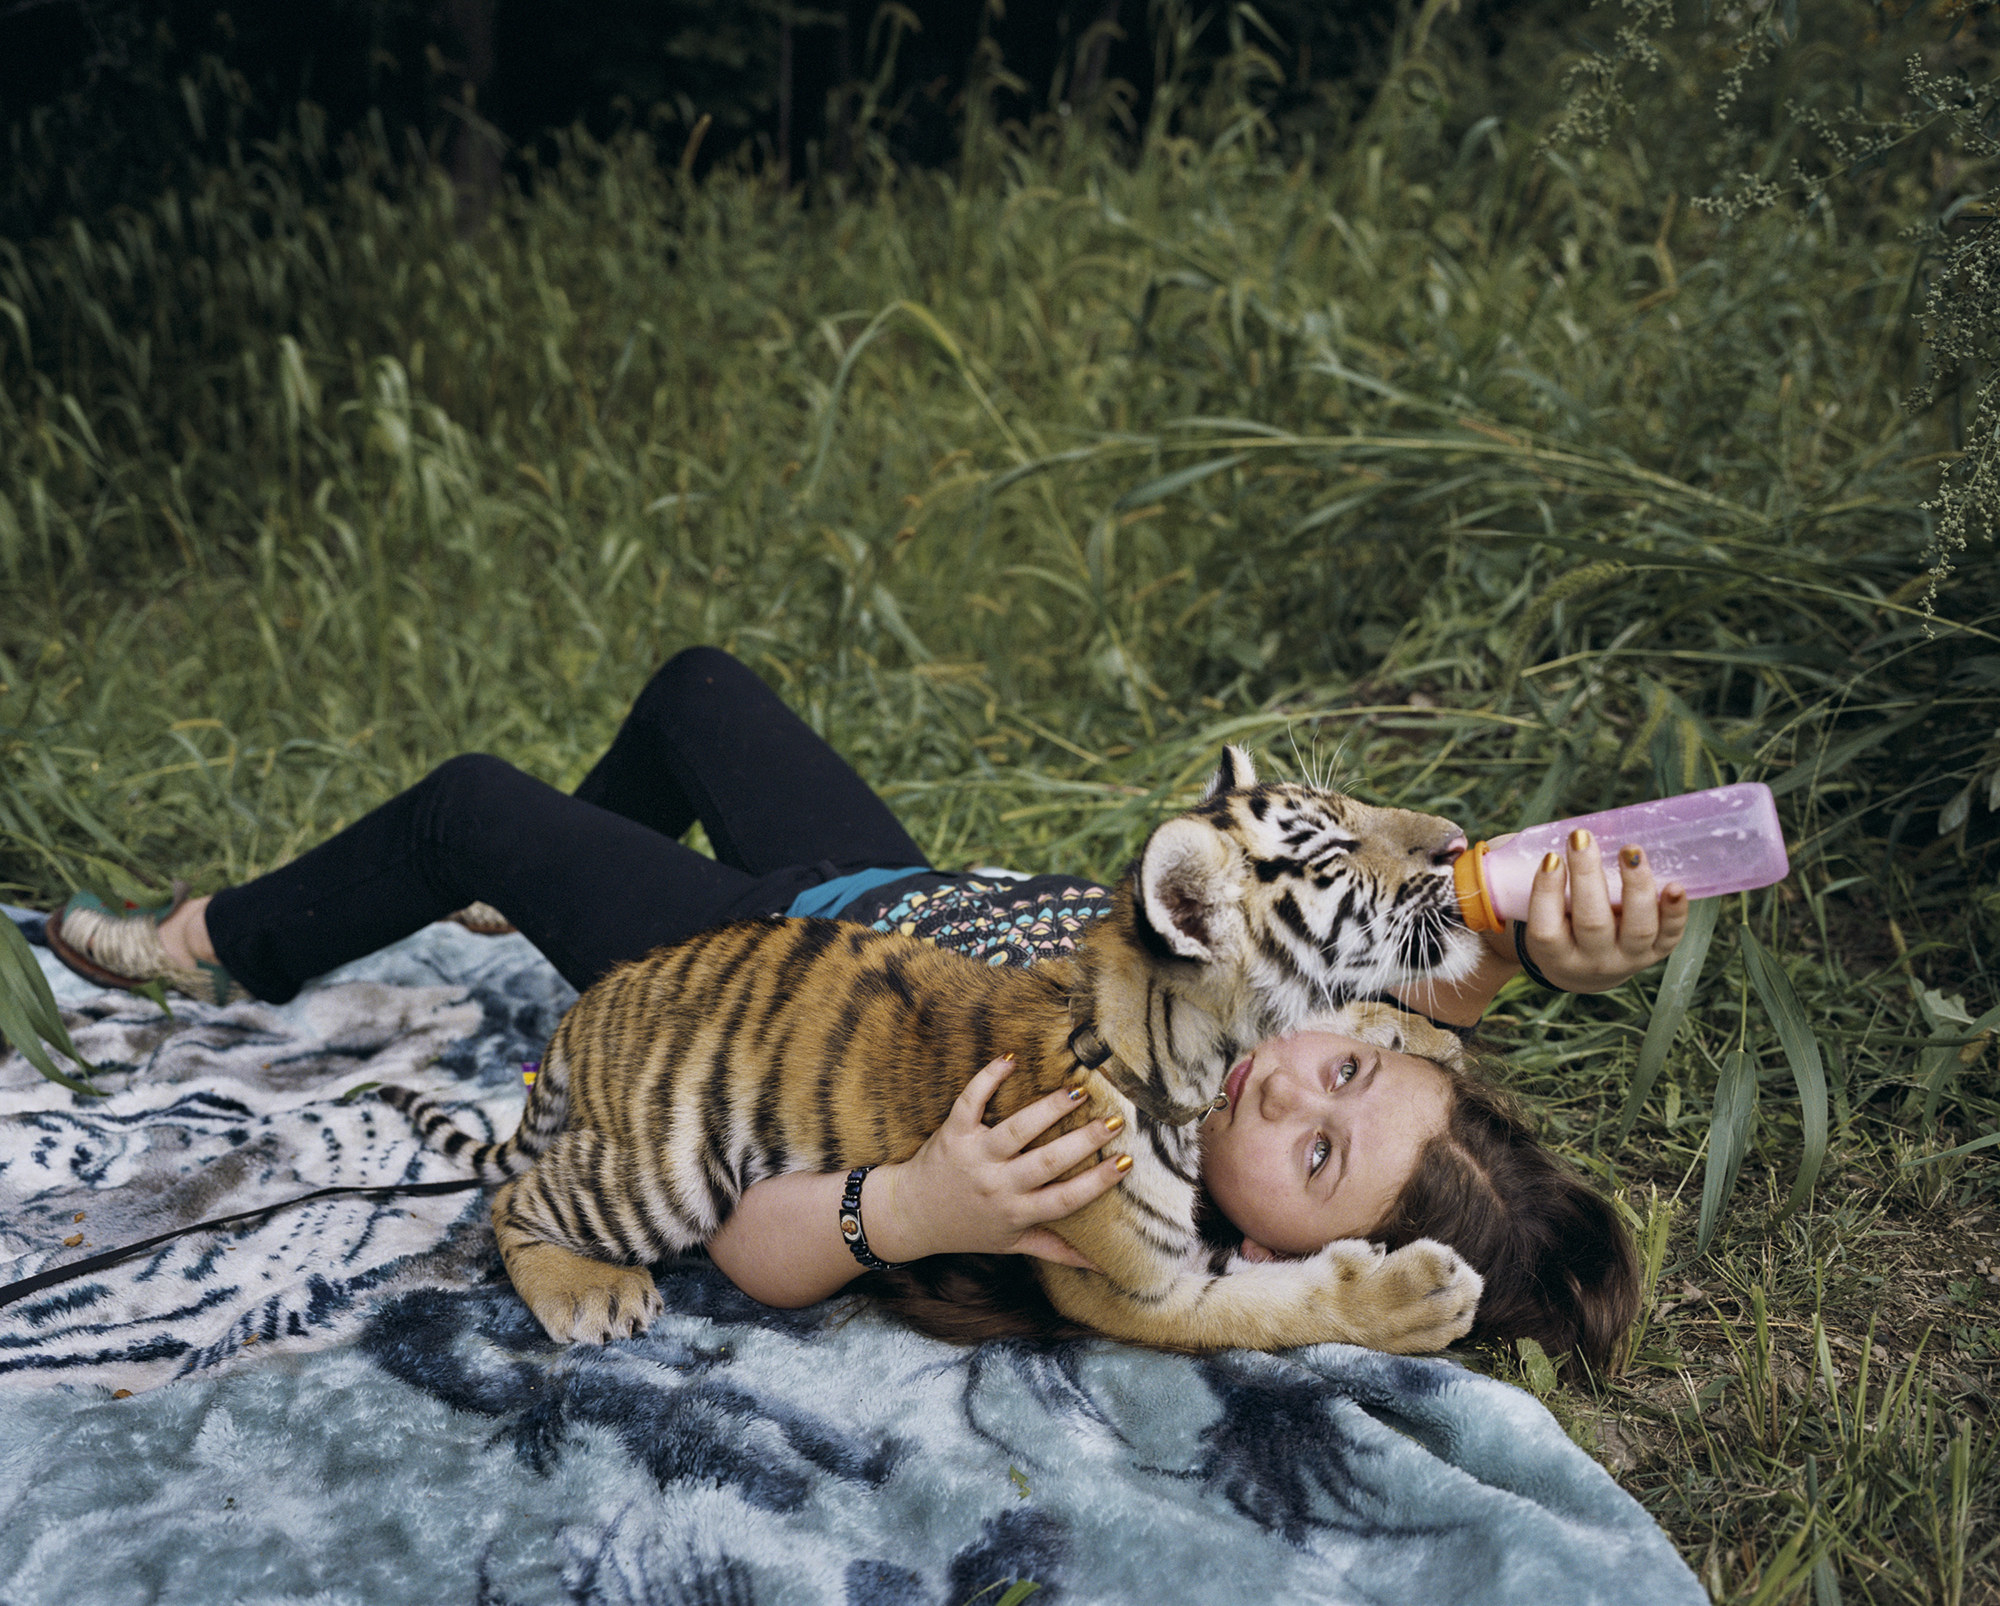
<point>850,1222</point>
<point>1521,952</point>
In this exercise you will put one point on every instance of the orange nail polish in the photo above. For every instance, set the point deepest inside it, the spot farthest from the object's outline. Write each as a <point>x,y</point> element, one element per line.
<point>1631,856</point>
<point>1075,1093</point>
<point>1579,839</point>
<point>1114,1124</point>
<point>1124,1162</point>
<point>1551,860</point>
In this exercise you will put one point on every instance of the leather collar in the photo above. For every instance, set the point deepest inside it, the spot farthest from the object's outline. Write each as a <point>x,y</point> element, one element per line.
<point>1092,1053</point>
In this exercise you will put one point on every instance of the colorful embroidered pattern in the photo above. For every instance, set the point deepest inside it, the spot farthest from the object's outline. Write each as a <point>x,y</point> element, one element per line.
<point>999,921</point>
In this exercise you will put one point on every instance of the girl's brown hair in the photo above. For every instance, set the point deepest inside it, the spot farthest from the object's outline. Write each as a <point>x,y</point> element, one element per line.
<point>1558,1262</point>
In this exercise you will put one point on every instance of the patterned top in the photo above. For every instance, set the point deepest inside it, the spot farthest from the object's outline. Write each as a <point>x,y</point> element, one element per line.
<point>1000,918</point>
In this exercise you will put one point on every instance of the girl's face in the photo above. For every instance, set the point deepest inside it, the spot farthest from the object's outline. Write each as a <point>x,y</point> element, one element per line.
<point>1320,1136</point>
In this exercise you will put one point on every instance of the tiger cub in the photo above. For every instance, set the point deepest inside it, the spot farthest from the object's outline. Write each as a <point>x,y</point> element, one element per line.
<point>781,1045</point>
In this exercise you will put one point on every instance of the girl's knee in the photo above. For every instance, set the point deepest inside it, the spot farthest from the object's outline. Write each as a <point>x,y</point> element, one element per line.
<point>471,769</point>
<point>465,786</point>
<point>696,675</point>
<point>477,812</point>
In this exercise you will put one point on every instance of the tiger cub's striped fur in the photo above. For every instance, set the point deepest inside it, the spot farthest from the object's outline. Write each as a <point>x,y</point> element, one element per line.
<point>805,1045</point>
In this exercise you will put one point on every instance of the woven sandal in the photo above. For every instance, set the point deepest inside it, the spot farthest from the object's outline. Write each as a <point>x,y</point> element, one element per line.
<point>122,948</point>
<point>482,919</point>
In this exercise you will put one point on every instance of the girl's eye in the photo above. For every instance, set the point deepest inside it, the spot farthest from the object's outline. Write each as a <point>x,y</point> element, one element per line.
<point>1321,1152</point>
<point>1346,1073</point>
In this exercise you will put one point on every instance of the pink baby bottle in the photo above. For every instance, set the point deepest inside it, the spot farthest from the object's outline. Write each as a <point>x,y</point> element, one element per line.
<point>1723,840</point>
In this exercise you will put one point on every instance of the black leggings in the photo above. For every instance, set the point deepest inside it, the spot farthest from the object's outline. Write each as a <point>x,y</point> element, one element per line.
<point>591,880</point>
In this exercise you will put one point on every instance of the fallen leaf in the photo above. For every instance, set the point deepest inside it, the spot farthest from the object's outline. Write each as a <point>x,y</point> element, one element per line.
<point>1615,1448</point>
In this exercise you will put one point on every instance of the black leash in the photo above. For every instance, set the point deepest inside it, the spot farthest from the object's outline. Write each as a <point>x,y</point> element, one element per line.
<point>111,1257</point>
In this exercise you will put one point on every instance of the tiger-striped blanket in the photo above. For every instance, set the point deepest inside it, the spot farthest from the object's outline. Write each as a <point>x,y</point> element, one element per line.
<point>361,1410</point>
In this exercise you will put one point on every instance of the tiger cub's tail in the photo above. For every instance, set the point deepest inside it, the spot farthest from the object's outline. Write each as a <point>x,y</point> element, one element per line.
<point>541,1119</point>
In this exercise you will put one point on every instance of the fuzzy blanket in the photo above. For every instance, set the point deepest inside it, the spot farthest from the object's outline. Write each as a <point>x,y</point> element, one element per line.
<point>346,1402</point>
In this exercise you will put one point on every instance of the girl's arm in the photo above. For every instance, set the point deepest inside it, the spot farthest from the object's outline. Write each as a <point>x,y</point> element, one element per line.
<point>971,1189</point>
<point>1588,949</point>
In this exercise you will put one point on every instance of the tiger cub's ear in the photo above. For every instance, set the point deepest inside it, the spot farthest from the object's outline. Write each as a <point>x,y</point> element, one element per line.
<point>1187,888</point>
<point>1234,774</point>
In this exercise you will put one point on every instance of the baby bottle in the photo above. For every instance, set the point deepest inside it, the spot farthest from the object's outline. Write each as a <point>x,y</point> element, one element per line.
<point>1723,840</point>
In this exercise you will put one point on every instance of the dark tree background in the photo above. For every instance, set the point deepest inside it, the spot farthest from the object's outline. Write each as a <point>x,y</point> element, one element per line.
<point>124,90</point>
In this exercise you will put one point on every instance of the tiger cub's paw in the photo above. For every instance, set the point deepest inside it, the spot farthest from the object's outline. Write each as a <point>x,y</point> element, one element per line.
<point>1418,1298</point>
<point>583,1301</point>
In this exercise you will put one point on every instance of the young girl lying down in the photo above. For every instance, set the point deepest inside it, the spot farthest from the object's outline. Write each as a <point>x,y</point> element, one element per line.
<point>1323,1137</point>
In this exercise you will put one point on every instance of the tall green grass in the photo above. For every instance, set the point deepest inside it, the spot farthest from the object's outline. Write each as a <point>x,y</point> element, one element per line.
<point>1491,481</point>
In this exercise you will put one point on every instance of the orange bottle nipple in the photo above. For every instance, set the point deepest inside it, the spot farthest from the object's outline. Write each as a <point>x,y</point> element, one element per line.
<point>1475,904</point>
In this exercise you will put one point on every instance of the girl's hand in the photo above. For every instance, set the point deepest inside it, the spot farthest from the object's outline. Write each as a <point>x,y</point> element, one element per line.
<point>975,1189</point>
<point>1593,947</point>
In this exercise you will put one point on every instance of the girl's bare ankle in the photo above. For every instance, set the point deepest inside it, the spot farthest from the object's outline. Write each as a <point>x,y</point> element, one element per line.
<point>184,935</point>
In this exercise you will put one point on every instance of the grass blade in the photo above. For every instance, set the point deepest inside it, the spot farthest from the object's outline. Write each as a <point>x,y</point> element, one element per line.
<point>1159,489</point>
<point>28,1013</point>
<point>1788,1016</point>
<point>1825,1581</point>
<point>1986,1142</point>
<point>1938,1066</point>
<point>31,988</point>
<point>1670,1008</point>
<point>1728,1139</point>
<point>1811,772</point>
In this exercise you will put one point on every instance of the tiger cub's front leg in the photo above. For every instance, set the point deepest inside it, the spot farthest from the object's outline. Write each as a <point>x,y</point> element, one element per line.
<point>577,1300</point>
<point>1416,1299</point>
<point>541,1222</point>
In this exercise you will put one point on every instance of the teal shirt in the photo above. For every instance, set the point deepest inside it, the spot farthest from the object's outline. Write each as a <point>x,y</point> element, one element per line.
<point>827,899</point>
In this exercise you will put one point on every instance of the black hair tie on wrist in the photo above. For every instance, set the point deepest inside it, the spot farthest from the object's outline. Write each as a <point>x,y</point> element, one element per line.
<point>1521,952</point>
<point>850,1223</point>
<point>1531,967</point>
